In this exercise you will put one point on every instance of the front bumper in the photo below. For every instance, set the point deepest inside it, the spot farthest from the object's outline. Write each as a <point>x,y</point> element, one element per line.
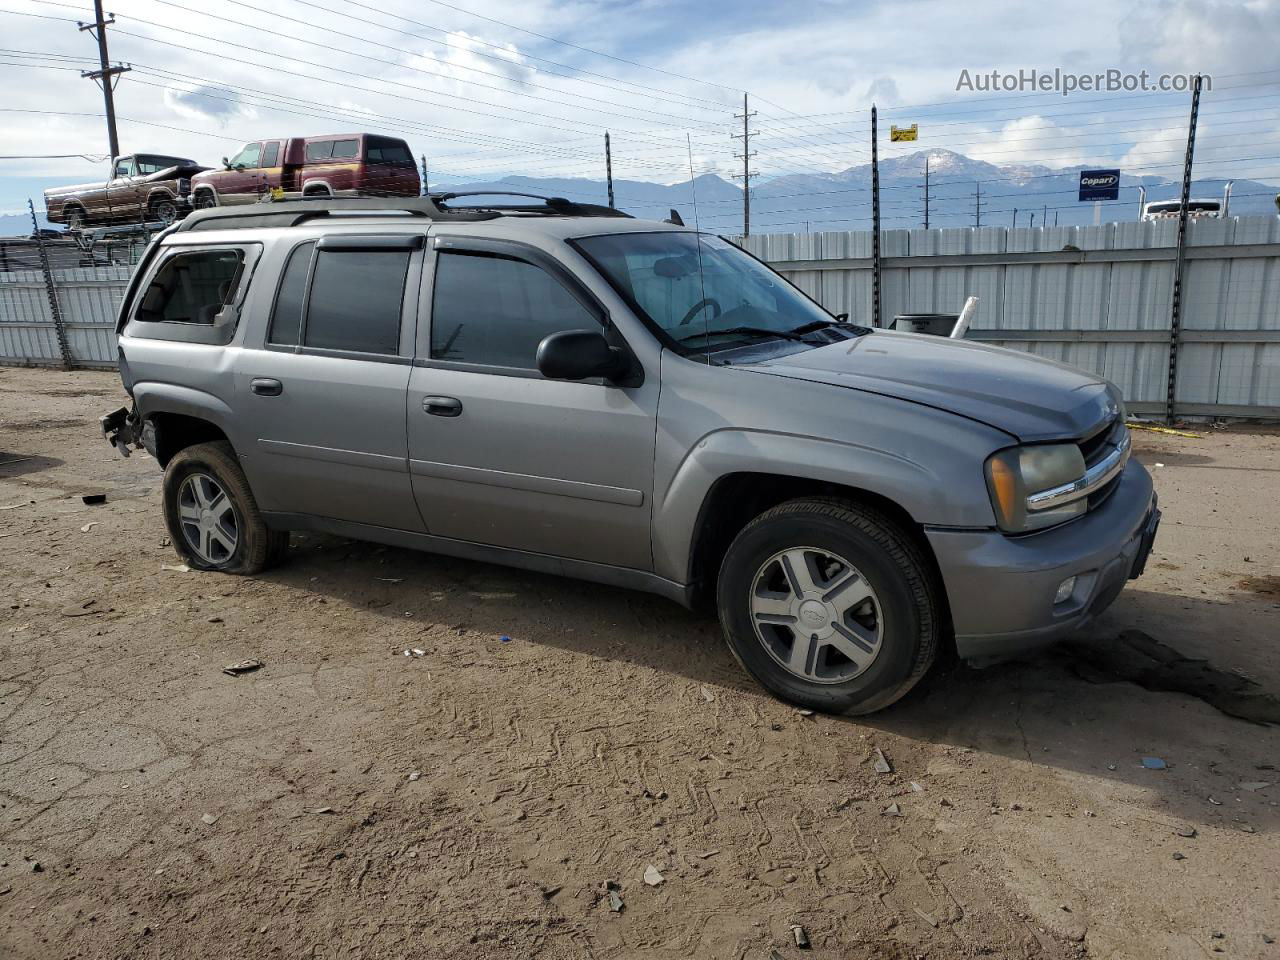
<point>1001,589</point>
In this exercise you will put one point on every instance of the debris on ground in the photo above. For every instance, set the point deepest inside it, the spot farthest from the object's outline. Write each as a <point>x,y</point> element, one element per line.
<point>1165,430</point>
<point>651,876</point>
<point>504,639</point>
<point>1188,832</point>
<point>244,666</point>
<point>615,902</point>
<point>175,567</point>
<point>319,809</point>
<point>92,498</point>
<point>892,810</point>
<point>414,652</point>
<point>416,775</point>
<point>916,788</point>
<point>213,620</point>
<point>1253,786</point>
<point>707,695</point>
<point>80,610</point>
<point>881,762</point>
<point>1153,763</point>
<point>209,819</point>
<point>801,938</point>
<point>926,917</point>
<point>1179,856</point>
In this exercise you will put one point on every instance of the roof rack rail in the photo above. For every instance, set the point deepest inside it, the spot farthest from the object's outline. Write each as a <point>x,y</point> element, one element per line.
<point>291,213</point>
<point>554,205</point>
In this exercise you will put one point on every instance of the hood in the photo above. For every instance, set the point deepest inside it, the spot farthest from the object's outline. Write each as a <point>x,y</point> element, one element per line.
<point>1021,394</point>
<point>174,172</point>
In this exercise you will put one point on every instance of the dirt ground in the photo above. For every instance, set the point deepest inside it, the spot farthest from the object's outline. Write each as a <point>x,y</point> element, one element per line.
<point>349,801</point>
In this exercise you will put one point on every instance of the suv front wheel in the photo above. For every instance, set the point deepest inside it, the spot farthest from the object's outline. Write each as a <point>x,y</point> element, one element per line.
<point>830,605</point>
<point>213,519</point>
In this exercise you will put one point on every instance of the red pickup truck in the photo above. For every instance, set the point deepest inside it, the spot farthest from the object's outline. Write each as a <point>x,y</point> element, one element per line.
<point>337,165</point>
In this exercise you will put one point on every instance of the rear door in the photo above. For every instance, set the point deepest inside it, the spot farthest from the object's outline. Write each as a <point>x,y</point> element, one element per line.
<point>323,390</point>
<point>498,454</point>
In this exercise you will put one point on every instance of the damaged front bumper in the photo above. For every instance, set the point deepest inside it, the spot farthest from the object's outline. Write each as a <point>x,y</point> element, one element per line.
<point>125,431</point>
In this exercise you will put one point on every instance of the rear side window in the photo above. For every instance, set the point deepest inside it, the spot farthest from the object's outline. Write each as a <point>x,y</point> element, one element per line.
<point>345,149</point>
<point>286,318</point>
<point>355,301</point>
<point>495,310</point>
<point>192,287</point>
<point>381,150</point>
<point>321,150</point>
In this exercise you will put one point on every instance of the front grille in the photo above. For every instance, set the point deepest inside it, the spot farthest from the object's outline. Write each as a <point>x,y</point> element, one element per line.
<point>1095,446</point>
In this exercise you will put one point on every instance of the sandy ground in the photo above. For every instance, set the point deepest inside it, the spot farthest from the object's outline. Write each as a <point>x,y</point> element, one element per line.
<point>347,801</point>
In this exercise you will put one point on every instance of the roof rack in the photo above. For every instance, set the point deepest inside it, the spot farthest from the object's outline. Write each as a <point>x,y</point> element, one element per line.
<point>291,213</point>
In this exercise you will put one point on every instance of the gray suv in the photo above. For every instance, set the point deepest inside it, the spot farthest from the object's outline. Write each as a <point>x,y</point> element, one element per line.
<point>563,388</point>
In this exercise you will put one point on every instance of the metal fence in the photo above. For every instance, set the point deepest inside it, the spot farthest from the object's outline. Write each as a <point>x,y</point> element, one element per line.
<point>1095,297</point>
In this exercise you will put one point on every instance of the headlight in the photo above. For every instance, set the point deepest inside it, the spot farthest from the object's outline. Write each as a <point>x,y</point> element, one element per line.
<point>184,186</point>
<point>1017,473</point>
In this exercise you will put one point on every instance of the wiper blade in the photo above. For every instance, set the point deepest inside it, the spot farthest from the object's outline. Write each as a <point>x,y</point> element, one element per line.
<point>744,331</point>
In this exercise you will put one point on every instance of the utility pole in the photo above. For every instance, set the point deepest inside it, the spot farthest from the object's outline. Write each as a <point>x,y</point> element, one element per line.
<point>1175,310</point>
<point>608,167</point>
<point>926,191</point>
<point>106,75</point>
<point>745,157</point>
<point>978,204</point>
<point>1015,218</point>
<point>426,190</point>
<point>1033,220</point>
<point>875,224</point>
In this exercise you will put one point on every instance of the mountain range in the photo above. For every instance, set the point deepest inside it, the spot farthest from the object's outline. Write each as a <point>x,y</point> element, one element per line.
<point>811,202</point>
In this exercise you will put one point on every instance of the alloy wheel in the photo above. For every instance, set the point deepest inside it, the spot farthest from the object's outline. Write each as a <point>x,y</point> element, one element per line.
<point>209,521</point>
<point>816,615</point>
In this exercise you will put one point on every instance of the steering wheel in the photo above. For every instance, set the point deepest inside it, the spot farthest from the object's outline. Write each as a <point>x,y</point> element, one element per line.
<point>711,302</point>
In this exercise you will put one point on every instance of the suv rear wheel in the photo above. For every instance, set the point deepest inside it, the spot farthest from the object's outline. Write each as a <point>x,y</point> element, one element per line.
<point>830,605</point>
<point>213,519</point>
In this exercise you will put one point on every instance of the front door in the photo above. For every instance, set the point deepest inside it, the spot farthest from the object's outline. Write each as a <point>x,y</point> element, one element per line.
<point>323,391</point>
<point>123,195</point>
<point>500,455</point>
<point>243,181</point>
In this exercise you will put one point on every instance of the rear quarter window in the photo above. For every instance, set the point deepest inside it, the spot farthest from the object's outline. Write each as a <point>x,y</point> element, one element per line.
<point>346,149</point>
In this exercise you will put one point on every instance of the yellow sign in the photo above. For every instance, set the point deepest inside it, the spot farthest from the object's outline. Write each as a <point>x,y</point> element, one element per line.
<point>904,133</point>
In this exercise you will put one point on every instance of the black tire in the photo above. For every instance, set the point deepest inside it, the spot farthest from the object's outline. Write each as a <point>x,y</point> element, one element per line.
<point>909,614</point>
<point>205,200</point>
<point>257,546</point>
<point>165,211</point>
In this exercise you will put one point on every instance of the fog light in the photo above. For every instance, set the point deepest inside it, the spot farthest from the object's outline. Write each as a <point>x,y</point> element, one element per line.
<point>1065,589</point>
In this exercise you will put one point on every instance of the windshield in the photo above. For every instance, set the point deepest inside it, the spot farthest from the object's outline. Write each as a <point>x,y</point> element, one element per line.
<point>699,290</point>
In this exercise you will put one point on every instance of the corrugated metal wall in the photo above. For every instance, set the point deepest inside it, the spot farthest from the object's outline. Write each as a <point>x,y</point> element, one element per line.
<point>88,298</point>
<point>1095,297</point>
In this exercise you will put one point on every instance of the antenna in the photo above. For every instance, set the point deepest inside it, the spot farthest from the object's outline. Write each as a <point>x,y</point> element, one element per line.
<point>693,187</point>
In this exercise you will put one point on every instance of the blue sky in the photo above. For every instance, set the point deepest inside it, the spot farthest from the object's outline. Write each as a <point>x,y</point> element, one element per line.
<point>506,87</point>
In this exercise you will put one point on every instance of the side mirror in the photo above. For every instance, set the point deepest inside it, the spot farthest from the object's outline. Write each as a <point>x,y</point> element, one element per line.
<point>579,355</point>
<point>226,163</point>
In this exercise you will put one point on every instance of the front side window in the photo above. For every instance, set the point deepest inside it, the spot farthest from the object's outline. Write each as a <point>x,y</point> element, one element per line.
<point>192,287</point>
<point>495,310</point>
<point>355,301</point>
<point>697,288</point>
<point>247,157</point>
<point>271,155</point>
<point>124,168</point>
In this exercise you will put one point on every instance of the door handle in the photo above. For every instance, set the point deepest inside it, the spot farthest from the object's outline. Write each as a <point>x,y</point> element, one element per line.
<point>442,406</point>
<point>266,387</point>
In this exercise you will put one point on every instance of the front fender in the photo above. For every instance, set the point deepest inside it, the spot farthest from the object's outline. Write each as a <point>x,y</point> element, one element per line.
<point>924,490</point>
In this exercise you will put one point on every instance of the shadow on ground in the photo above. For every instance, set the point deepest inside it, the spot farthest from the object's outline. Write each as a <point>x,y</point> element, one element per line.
<point>1096,705</point>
